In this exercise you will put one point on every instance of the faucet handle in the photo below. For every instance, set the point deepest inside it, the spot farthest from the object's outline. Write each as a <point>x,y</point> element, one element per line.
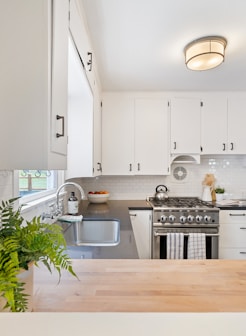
<point>51,214</point>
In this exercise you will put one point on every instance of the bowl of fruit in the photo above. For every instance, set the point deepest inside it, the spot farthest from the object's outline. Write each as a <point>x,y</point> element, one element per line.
<point>98,196</point>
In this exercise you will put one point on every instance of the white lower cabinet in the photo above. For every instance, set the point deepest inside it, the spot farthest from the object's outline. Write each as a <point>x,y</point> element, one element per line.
<point>232,243</point>
<point>142,224</point>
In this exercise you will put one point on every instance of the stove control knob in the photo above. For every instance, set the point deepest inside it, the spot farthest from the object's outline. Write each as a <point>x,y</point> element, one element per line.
<point>182,219</point>
<point>198,219</point>
<point>172,218</point>
<point>190,219</point>
<point>207,219</point>
<point>163,219</point>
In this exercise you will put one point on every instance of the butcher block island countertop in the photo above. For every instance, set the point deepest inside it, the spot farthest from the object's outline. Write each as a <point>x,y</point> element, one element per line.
<point>144,286</point>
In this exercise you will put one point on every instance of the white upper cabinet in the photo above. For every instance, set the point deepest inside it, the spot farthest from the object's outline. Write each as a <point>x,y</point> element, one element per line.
<point>117,134</point>
<point>214,124</point>
<point>84,138</point>
<point>81,38</point>
<point>134,135</point>
<point>223,124</point>
<point>236,123</point>
<point>33,102</point>
<point>185,125</point>
<point>151,136</point>
<point>80,119</point>
<point>97,129</point>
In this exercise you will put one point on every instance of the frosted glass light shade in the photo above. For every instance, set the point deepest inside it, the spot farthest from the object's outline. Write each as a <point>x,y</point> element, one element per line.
<point>205,53</point>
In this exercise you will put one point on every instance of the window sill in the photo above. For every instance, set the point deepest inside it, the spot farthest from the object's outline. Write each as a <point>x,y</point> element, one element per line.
<point>27,206</point>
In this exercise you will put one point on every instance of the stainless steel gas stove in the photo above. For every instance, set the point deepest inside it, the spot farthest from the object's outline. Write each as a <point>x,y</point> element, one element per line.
<point>186,215</point>
<point>184,211</point>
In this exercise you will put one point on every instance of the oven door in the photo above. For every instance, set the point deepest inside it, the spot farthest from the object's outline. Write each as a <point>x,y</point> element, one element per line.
<point>159,242</point>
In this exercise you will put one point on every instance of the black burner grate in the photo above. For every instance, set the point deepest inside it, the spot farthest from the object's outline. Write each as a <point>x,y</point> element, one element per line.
<point>181,202</point>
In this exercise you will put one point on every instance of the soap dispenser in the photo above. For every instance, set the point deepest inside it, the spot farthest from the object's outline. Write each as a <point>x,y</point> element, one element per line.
<point>73,204</point>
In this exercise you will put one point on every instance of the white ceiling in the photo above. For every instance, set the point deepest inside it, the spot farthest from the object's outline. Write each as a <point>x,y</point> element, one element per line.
<point>139,43</point>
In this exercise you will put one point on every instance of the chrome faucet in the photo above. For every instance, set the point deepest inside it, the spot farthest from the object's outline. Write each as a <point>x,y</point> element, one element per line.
<point>82,193</point>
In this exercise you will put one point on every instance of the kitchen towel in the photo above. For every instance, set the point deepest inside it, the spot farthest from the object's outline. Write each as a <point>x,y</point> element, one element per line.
<point>196,246</point>
<point>70,218</point>
<point>175,246</point>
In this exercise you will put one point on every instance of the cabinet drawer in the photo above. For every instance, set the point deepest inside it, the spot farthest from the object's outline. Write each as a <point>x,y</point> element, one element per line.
<point>233,235</point>
<point>233,216</point>
<point>230,253</point>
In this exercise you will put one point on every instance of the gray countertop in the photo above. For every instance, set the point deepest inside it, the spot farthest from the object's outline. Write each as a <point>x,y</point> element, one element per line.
<point>230,206</point>
<point>115,209</point>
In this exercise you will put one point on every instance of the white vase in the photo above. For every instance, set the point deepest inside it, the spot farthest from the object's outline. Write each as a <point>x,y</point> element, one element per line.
<point>27,278</point>
<point>219,197</point>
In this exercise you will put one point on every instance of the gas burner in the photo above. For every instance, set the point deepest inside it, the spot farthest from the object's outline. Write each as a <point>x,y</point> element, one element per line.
<point>181,202</point>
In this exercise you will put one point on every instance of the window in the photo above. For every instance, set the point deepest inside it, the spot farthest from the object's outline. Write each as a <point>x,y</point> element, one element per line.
<point>35,184</point>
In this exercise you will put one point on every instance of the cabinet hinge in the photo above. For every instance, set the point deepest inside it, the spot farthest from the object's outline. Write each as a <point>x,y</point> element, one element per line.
<point>201,103</point>
<point>101,104</point>
<point>168,103</point>
<point>201,148</point>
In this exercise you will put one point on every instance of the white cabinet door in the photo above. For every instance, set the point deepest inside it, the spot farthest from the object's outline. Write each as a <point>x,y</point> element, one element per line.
<point>142,225</point>
<point>135,136</point>
<point>117,135</point>
<point>222,126</point>
<point>80,119</point>
<point>185,125</point>
<point>236,123</point>
<point>33,85</point>
<point>214,125</point>
<point>151,136</point>
<point>97,129</point>
<point>59,76</point>
<point>78,30</point>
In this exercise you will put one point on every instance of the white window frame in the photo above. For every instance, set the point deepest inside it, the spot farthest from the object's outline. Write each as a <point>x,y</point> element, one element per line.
<point>39,197</point>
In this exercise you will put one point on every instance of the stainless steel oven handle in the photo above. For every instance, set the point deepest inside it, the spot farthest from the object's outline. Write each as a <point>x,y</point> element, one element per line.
<point>156,234</point>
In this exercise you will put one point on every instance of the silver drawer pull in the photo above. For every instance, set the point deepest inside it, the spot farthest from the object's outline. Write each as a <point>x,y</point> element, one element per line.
<point>242,252</point>
<point>242,228</point>
<point>237,214</point>
<point>133,215</point>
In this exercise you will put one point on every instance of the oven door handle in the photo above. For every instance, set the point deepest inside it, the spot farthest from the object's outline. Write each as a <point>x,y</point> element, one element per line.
<point>156,234</point>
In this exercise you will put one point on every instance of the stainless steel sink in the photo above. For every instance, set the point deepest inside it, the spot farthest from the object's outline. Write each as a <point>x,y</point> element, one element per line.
<point>92,232</point>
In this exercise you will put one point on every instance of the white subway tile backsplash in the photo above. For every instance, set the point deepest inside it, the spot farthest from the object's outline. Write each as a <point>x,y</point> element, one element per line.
<point>229,171</point>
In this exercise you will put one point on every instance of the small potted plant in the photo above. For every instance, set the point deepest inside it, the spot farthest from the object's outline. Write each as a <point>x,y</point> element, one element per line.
<point>23,244</point>
<point>219,193</point>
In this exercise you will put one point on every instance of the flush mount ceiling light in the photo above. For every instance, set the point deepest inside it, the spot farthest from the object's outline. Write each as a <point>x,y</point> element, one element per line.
<point>205,53</point>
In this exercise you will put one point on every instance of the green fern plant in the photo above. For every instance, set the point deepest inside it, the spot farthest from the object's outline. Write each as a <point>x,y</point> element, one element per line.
<point>24,242</point>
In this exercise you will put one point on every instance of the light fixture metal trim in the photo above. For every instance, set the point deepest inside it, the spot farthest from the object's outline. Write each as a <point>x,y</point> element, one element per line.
<point>205,53</point>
